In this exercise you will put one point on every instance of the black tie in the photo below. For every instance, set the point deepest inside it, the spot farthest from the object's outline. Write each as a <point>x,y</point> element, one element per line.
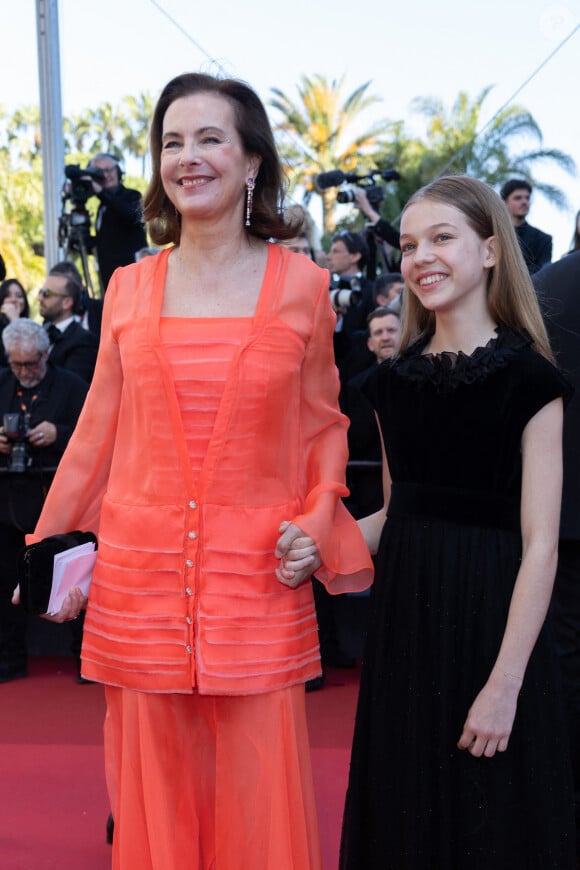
<point>54,333</point>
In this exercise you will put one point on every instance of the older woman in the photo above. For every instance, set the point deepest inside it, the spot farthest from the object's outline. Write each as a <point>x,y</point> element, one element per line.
<point>210,457</point>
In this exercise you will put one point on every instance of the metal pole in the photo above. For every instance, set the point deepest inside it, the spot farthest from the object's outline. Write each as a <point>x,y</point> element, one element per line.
<point>50,121</point>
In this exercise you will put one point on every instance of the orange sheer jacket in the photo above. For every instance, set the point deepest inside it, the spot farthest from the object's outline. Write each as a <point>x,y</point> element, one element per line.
<point>184,592</point>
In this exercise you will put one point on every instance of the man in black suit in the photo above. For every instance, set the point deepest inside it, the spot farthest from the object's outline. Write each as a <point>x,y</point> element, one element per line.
<point>72,347</point>
<point>535,245</point>
<point>44,404</point>
<point>558,288</point>
<point>120,228</point>
<point>91,307</point>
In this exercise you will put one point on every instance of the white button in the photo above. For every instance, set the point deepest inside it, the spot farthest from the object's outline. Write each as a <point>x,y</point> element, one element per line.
<point>189,563</point>
<point>189,620</point>
<point>188,648</point>
<point>193,534</point>
<point>193,505</point>
<point>188,590</point>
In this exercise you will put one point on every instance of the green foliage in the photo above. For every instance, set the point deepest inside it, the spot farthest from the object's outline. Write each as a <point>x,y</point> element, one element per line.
<point>454,141</point>
<point>121,130</point>
<point>318,133</point>
<point>322,129</point>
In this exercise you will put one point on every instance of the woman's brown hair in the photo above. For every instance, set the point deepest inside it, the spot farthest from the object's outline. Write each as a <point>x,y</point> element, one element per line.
<point>255,132</point>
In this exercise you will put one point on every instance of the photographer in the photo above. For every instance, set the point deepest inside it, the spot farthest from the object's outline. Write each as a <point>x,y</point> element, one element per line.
<point>39,408</point>
<point>352,297</point>
<point>381,228</point>
<point>120,231</point>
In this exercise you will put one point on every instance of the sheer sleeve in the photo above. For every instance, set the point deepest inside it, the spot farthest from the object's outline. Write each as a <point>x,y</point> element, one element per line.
<point>75,496</point>
<point>346,562</point>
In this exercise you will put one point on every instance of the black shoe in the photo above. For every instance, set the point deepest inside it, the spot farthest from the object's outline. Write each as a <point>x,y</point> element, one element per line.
<point>315,684</point>
<point>339,659</point>
<point>110,829</point>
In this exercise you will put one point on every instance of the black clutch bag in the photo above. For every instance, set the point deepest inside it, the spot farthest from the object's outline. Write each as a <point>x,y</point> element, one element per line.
<point>35,567</point>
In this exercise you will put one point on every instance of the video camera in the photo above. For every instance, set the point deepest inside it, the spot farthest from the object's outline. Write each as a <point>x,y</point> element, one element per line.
<point>337,178</point>
<point>74,226</point>
<point>80,187</point>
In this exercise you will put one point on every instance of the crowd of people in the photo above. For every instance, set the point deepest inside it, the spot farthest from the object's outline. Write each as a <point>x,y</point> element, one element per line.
<point>252,438</point>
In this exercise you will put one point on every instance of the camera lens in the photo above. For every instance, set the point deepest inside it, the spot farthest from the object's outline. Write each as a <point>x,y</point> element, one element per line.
<point>345,195</point>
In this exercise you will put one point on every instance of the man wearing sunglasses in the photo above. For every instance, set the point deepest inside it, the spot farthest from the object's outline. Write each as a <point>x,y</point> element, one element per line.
<point>72,347</point>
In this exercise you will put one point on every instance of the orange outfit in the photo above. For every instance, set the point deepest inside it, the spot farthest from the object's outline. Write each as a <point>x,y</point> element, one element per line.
<point>185,610</point>
<point>184,592</point>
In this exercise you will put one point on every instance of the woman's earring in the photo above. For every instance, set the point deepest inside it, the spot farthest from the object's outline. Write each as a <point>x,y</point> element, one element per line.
<point>250,185</point>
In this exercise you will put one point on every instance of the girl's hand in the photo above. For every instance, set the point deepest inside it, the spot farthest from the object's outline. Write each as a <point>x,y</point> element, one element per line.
<point>490,720</point>
<point>298,554</point>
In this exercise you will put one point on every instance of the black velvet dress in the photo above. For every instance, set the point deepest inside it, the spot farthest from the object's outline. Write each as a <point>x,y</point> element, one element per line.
<point>448,558</point>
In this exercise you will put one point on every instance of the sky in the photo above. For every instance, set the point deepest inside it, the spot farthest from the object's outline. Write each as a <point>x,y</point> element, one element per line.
<point>114,48</point>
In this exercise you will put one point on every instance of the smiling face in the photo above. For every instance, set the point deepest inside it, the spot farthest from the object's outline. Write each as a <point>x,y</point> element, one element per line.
<point>445,263</point>
<point>204,167</point>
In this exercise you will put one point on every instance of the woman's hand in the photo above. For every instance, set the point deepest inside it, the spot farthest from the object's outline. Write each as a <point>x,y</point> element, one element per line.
<point>72,605</point>
<point>298,554</point>
<point>490,720</point>
<point>11,309</point>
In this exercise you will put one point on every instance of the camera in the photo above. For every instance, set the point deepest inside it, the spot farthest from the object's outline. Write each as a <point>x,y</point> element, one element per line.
<point>81,187</point>
<point>15,430</point>
<point>375,195</point>
<point>344,292</point>
<point>375,192</point>
<point>74,225</point>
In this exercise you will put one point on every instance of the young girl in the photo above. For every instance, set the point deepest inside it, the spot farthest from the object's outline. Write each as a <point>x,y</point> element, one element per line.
<point>460,759</point>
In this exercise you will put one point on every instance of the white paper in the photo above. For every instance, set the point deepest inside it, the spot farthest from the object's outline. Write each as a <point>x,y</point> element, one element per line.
<point>72,568</point>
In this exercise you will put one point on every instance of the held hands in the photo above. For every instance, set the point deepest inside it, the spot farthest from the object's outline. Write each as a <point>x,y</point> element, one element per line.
<point>298,554</point>
<point>490,719</point>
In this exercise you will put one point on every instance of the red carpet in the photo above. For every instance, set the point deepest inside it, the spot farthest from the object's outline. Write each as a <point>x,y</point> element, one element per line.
<point>53,801</point>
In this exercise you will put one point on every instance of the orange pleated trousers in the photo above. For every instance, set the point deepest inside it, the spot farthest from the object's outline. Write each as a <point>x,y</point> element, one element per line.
<point>211,782</point>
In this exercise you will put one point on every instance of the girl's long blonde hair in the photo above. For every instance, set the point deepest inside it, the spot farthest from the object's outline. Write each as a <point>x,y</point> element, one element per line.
<point>511,297</point>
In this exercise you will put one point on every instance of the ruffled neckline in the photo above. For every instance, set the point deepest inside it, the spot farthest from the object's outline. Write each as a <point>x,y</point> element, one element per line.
<point>447,370</point>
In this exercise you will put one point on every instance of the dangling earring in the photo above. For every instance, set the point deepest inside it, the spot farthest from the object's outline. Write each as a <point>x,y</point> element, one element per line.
<point>250,185</point>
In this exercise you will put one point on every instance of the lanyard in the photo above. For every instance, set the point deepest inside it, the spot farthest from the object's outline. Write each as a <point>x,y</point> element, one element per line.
<point>26,409</point>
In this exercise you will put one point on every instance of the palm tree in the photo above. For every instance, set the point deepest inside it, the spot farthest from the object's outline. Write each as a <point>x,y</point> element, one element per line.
<point>140,112</point>
<point>105,125</point>
<point>319,135</point>
<point>459,144</point>
<point>23,130</point>
<point>77,130</point>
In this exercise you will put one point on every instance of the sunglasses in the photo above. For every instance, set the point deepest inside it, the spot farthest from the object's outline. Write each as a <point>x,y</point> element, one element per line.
<point>48,294</point>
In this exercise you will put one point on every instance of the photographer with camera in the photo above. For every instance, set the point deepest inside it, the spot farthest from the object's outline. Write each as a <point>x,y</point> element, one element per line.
<point>39,408</point>
<point>352,297</point>
<point>120,230</point>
